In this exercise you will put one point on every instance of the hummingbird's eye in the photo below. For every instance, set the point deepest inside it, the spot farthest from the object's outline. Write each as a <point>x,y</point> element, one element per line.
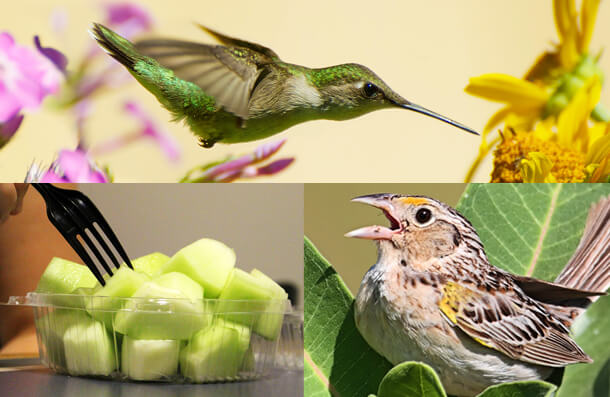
<point>423,216</point>
<point>370,89</point>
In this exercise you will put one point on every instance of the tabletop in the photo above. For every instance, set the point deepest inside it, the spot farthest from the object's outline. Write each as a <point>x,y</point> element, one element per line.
<point>32,379</point>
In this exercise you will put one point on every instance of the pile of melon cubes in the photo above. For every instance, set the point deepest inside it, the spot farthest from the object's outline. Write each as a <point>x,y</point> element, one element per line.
<point>201,328</point>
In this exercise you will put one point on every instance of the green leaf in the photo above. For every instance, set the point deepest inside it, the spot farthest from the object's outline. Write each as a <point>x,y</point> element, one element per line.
<point>338,362</point>
<point>521,389</point>
<point>530,229</point>
<point>411,379</point>
<point>591,332</point>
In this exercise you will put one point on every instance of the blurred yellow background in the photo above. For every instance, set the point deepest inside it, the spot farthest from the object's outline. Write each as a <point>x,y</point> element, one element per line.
<point>329,214</point>
<point>424,50</point>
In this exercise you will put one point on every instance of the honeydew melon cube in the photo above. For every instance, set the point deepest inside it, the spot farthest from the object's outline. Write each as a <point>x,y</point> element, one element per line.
<point>206,261</point>
<point>215,353</point>
<point>123,284</point>
<point>51,328</point>
<point>63,276</point>
<point>269,324</point>
<point>148,359</point>
<point>150,264</point>
<point>243,298</point>
<point>177,314</point>
<point>89,349</point>
<point>243,332</point>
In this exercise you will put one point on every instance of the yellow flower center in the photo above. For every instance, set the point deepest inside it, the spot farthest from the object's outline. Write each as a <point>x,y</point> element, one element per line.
<point>568,165</point>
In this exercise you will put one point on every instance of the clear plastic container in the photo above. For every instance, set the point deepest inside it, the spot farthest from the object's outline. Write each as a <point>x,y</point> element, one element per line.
<point>290,349</point>
<point>165,340</point>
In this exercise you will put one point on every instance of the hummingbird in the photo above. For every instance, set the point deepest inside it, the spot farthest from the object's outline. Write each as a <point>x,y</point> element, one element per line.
<point>241,91</point>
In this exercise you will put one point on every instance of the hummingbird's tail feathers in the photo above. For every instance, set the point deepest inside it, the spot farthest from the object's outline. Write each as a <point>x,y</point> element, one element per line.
<point>589,267</point>
<point>116,46</point>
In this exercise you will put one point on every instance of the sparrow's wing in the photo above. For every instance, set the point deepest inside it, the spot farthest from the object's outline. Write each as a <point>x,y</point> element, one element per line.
<point>511,323</point>
<point>226,73</point>
<point>544,291</point>
<point>231,41</point>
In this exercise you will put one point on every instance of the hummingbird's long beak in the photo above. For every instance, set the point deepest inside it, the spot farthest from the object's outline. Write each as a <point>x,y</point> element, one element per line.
<point>381,201</point>
<point>420,109</point>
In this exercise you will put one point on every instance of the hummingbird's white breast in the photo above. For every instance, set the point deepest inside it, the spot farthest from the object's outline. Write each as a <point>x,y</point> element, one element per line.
<point>301,93</point>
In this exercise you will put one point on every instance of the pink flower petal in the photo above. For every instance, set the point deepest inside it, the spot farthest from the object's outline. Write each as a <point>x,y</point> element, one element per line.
<point>57,58</point>
<point>8,129</point>
<point>128,19</point>
<point>51,177</point>
<point>77,167</point>
<point>275,167</point>
<point>150,130</point>
<point>228,167</point>
<point>26,77</point>
<point>267,150</point>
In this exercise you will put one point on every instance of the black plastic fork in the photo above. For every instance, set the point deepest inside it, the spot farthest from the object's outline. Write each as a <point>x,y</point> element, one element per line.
<point>73,214</point>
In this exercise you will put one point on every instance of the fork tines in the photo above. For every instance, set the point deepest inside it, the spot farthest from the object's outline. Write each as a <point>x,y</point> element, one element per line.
<point>78,219</point>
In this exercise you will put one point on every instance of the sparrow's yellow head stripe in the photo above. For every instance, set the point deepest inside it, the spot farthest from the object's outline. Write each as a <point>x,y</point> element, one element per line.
<point>414,200</point>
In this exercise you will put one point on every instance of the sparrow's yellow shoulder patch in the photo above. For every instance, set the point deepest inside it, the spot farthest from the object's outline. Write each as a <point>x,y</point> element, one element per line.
<point>454,296</point>
<point>414,200</point>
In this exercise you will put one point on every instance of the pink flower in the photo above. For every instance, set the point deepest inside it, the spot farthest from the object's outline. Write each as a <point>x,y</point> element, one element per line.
<point>71,166</point>
<point>149,130</point>
<point>26,77</point>
<point>128,19</point>
<point>244,166</point>
<point>8,128</point>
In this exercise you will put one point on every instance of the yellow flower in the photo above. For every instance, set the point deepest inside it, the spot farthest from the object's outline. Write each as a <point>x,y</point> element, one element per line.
<point>537,169</point>
<point>522,157</point>
<point>548,87</point>
<point>573,150</point>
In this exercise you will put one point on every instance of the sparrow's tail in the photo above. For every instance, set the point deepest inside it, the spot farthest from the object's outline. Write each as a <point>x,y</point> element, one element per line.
<point>589,267</point>
<point>116,46</point>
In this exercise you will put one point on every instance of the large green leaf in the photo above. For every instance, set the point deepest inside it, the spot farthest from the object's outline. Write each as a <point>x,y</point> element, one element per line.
<point>411,379</point>
<point>592,333</point>
<point>530,229</point>
<point>338,362</point>
<point>521,389</point>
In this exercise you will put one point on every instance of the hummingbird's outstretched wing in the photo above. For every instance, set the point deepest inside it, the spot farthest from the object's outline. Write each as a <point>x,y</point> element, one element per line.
<point>231,41</point>
<point>228,74</point>
<point>512,324</point>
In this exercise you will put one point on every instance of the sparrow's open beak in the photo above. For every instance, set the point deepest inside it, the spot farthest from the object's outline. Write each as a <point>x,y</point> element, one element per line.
<point>403,103</point>
<point>383,202</point>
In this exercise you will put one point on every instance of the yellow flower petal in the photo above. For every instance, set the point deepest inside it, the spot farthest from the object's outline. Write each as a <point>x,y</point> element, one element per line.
<point>496,119</point>
<point>524,120</point>
<point>508,89</point>
<point>572,120</point>
<point>588,16</point>
<point>599,171</point>
<point>543,130</point>
<point>596,131</point>
<point>568,50</point>
<point>484,149</point>
<point>536,168</point>
<point>600,149</point>
<point>565,17</point>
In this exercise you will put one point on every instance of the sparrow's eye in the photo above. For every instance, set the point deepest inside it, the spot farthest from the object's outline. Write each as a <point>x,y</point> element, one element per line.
<point>370,89</point>
<point>423,216</point>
